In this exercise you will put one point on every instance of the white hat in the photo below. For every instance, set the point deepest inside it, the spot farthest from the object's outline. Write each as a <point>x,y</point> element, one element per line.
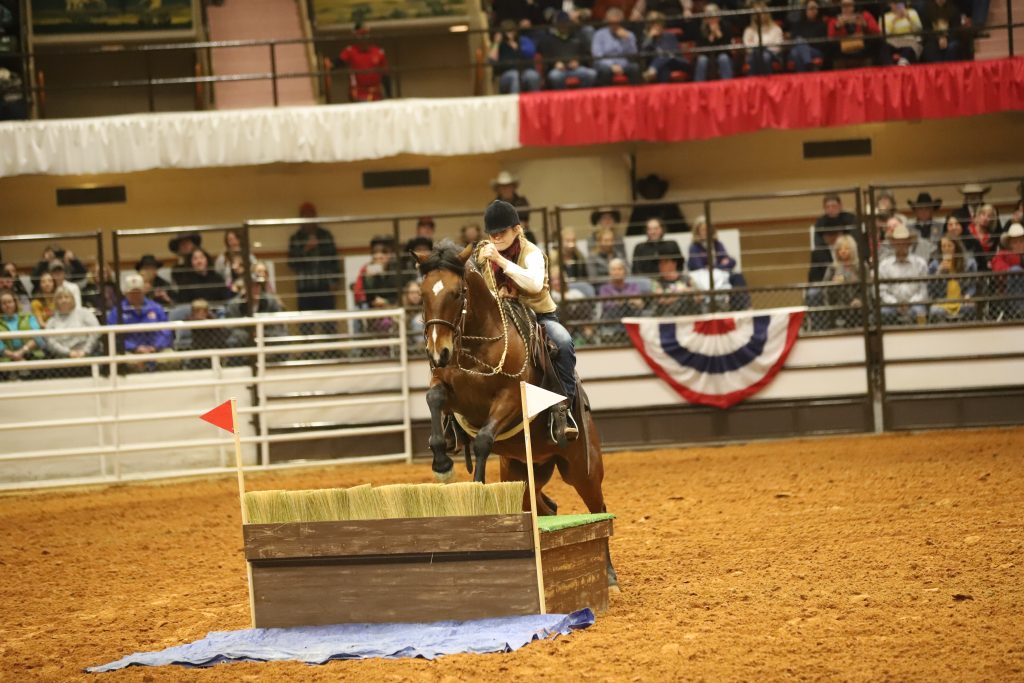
<point>974,188</point>
<point>133,281</point>
<point>1015,230</point>
<point>900,232</point>
<point>504,178</point>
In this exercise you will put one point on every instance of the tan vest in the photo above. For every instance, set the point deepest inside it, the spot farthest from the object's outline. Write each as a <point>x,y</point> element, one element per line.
<point>541,302</point>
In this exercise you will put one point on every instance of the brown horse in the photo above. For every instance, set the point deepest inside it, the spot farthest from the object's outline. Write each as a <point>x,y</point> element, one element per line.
<point>478,357</point>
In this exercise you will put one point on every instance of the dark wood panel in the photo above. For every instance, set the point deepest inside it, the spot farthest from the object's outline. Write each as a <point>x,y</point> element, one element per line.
<point>576,534</point>
<point>388,537</point>
<point>576,576</point>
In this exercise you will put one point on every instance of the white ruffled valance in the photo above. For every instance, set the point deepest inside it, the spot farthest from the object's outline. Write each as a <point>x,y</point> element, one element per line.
<point>349,132</point>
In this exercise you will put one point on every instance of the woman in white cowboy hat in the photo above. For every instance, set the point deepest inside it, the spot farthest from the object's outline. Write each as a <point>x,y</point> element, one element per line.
<point>1010,260</point>
<point>974,198</point>
<point>506,188</point>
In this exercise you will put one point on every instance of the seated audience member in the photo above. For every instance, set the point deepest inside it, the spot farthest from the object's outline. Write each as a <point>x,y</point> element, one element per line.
<point>716,39</point>
<point>1010,260</point>
<point>948,295</point>
<point>574,305</point>
<point>924,221</point>
<point>566,52</point>
<point>511,56</point>
<point>607,217</point>
<point>674,11</point>
<point>974,199</point>
<point>425,230</point>
<point>69,315</point>
<point>182,247</point>
<point>698,259</point>
<point>201,282</point>
<point>671,280</point>
<point>955,231</point>
<point>942,17</point>
<point>834,219</point>
<point>809,33</point>
<point>646,254</point>
<point>74,270</point>
<point>264,302</point>
<point>417,246</point>
<point>844,270</point>
<point>225,263</point>
<point>619,286</point>
<point>854,31</point>
<point>412,302</point>
<point>763,39</point>
<point>826,236</point>
<point>136,309</point>
<point>652,187</point>
<point>663,49</point>
<point>12,320</point>
<point>100,291</point>
<point>573,262</point>
<point>155,287</point>
<point>902,302</point>
<point>614,50</point>
<point>982,236</point>
<point>57,270</point>
<point>1018,214</point>
<point>470,233</point>
<point>203,337</point>
<point>42,298</point>
<point>902,29</point>
<point>370,80</point>
<point>606,247</point>
<point>919,245</point>
<point>9,280</point>
<point>506,188</point>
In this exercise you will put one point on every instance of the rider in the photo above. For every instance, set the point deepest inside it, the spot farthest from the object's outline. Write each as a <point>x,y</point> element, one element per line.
<point>518,269</point>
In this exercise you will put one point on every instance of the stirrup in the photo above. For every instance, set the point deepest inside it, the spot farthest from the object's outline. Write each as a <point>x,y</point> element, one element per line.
<point>559,430</point>
<point>572,431</point>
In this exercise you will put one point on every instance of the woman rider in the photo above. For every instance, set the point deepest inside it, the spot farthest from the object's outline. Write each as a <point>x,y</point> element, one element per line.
<point>518,269</point>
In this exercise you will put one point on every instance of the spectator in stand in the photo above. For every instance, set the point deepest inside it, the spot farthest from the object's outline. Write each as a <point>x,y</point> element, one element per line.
<point>182,247</point>
<point>653,187</point>
<point>902,301</point>
<point>7,284</point>
<point>201,282</point>
<point>646,254</point>
<point>606,247</point>
<point>511,56</point>
<point>955,231</point>
<point>942,17</point>
<point>470,233</point>
<point>16,285</point>
<point>1010,260</point>
<point>854,31</point>
<point>833,219</point>
<point>425,230</point>
<point>412,302</point>
<point>763,39</point>
<point>366,60</point>
<point>715,35</point>
<point>100,290</point>
<point>69,315</point>
<point>902,31</point>
<point>136,309</point>
<point>948,295</point>
<point>614,50</point>
<point>974,199</point>
<point>155,287</point>
<point>722,261</point>
<point>566,52</point>
<point>57,271</point>
<point>264,302</point>
<point>522,13</point>
<point>665,56</point>
<point>13,320</point>
<point>74,270</point>
<point>672,280</point>
<point>924,208</point>
<point>619,286</point>
<point>42,298</point>
<point>1017,216</point>
<point>575,265</point>
<point>808,33</point>
<point>313,258</point>
<point>674,11</point>
<point>844,270</point>
<point>982,236</point>
<point>827,231</point>
<point>227,260</point>
<point>506,188</point>
<point>606,217</point>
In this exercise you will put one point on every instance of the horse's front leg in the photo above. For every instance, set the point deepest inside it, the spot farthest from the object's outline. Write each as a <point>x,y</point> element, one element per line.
<point>443,466</point>
<point>482,445</point>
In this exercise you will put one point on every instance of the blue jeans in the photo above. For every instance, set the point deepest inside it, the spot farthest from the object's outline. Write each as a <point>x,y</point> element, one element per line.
<point>565,364</point>
<point>700,71</point>
<point>605,75</point>
<point>979,13</point>
<point>803,54</point>
<point>760,60</point>
<point>513,82</point>
<point>586,75</point>
<point>664,66</point>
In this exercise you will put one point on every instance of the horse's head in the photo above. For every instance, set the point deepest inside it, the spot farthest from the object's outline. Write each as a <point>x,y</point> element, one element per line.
<point>444,299</point>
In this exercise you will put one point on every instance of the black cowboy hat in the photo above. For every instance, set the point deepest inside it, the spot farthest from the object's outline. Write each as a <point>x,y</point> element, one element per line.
<point>595,216</point>
<point>147,260</point>
<point>652,186</point>
<point>925,200</point>
<point>193,237</point>
<point>424,242</point>
<point>386,241</point>
<point>669,249</point>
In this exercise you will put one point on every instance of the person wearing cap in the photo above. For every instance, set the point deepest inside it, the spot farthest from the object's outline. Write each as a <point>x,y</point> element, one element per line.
<point>368,64</point>
<point>566,53</point>
<point>651,188</point>
<point>313,258</point>
<point>136,309</point>
<point>614,49</point>
<point>513,266</point>
<point>1010,260</point>
<point>506,188</point>
<point>902,301</point>
<point>57,270</point>
<point>924,208</point>
<point>511,56</point>
<point>974,199</point>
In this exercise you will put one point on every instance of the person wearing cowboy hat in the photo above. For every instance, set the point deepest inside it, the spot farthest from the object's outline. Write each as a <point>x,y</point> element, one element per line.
<point>974,198</point>
<point>651,188</point>
<point>924,208</point>
<point>313,258</point>
<point>513,266</point>
<point>156,288</point>
<point>506,188</point>
<point>1010,260</point>
<point>902,301</point>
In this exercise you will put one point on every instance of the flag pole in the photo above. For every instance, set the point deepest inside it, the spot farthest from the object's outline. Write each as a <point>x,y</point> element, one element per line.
<point>533,499</point>
<point>241,503</point>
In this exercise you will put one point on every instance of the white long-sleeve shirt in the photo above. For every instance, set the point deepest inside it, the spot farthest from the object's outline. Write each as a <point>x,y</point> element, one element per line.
<point>902,292</point>
<point>531,278</point>
<point>771,37</point>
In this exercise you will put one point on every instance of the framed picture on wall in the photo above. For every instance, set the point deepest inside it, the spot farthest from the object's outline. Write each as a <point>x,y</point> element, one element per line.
<point>342,13</point>
<point>64,21</point>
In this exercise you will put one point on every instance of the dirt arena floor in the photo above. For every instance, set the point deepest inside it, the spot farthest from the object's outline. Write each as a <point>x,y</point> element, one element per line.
<point>891,558</point>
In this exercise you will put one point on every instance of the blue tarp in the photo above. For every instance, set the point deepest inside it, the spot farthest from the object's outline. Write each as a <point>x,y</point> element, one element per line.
<point>319,644</point>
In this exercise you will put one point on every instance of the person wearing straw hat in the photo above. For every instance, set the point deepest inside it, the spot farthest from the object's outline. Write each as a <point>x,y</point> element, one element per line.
<point>902,302</point>
<point>506,188</point>
<point>974,199</point>
<point>1010,260</point>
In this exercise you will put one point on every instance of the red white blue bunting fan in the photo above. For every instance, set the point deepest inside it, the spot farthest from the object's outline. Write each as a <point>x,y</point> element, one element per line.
<point>717,360</point>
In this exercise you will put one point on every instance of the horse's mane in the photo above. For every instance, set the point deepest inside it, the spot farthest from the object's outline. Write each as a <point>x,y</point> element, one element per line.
<point>445,256</point>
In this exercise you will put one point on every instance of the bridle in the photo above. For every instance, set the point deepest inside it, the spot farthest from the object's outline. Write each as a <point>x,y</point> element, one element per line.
<point>458,329</point>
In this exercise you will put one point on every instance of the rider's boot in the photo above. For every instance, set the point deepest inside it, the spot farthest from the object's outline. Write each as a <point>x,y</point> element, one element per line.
<point>563,426</point>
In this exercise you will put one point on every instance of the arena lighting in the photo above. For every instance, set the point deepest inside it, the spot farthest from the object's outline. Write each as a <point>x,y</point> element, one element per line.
<point>459,28</point>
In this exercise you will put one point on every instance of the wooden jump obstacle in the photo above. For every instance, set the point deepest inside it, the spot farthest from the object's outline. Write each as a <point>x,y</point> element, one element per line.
<point>424,569</point>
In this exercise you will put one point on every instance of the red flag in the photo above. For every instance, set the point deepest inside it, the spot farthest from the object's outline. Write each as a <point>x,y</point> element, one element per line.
<point>220,417</point>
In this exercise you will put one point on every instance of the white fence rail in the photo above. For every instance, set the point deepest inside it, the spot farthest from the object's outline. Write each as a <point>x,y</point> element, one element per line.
<point>114,425</point>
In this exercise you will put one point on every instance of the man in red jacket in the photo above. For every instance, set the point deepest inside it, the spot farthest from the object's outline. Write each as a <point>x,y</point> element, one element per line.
<point>369,80</point>
<point>1010,260</point>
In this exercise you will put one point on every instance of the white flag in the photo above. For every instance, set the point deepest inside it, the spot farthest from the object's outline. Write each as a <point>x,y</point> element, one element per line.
<point>538,399</point>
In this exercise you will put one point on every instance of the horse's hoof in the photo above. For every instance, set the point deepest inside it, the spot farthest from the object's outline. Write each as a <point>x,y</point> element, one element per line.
<point>614,589</point>
<point>445,477</point>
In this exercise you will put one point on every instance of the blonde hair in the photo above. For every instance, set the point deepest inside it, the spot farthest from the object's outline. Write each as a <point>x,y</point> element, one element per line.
<point>992,215</point>
<point>761,15</point>
<point>848,242</point>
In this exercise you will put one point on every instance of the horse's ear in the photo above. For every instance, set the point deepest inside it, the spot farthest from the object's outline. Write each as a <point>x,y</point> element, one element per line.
<point>467,252</point>
<point>420,256</point>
